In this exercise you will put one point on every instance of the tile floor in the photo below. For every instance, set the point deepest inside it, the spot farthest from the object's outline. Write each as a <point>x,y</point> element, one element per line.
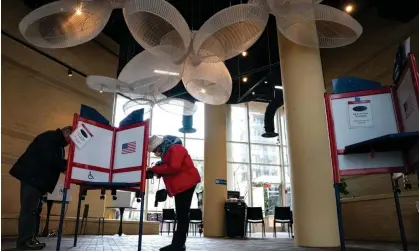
<point>194,243</point>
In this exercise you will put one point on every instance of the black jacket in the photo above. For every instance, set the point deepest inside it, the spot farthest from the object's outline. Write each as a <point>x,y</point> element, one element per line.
<point>41,164</point>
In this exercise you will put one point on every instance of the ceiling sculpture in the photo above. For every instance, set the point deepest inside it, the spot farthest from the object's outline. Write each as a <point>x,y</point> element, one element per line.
<point>173,52</point>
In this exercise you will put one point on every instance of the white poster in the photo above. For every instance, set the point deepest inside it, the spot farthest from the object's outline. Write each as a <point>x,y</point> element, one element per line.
<point>360,114</point>
<point>81,136</point>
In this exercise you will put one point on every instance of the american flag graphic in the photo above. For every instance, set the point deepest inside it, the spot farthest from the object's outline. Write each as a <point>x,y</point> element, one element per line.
<point>130,147</point>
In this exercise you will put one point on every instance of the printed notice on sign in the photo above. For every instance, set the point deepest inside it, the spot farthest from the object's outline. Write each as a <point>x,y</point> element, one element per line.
<point>81,135</point>
<point>360,114</point>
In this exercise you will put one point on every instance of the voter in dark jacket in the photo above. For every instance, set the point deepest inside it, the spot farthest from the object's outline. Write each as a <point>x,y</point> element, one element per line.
<point>38,171</point>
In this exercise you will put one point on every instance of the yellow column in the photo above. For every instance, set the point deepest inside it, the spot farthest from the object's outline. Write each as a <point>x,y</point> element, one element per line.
<point>215,167</point>
<point>314,205</point>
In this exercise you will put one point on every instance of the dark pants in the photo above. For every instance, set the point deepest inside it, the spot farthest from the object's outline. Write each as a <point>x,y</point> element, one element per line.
<point>38,216</point>
<point>183,205</point>
<point>29,202</point>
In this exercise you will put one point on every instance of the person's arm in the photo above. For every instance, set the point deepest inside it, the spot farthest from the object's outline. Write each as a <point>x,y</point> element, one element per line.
<point>47,149</point>
<point>176,154</point>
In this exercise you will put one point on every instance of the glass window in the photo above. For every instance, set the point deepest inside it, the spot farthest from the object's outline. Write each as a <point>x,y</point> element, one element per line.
<point>283,130</point>
<point>285,154</point>
<point>199,164</point>
<point>237,152</point>
<point>165,123</point>
<point>257,123</point>
<point>239,179</point>
<point>198,122</point>
<point>263,174</point>
<point>237,123</point>
<point>265,154</point>
<point>195,148</point>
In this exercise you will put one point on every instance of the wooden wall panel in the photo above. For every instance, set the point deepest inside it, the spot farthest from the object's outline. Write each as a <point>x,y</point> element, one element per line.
<point>38,95</point>
<point>375,218</point>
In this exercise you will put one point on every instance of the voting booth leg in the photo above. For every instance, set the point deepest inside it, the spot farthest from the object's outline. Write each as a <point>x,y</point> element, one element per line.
<point>340,220</point>
<point>60,226</point>
<point>140,230</point>
<point>76,231</point>
<point>396,190</point>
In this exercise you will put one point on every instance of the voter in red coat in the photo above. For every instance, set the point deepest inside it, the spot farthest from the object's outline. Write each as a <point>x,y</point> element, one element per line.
<point>180,177</point>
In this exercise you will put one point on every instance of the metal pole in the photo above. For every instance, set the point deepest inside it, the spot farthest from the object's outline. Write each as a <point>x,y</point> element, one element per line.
<point>60,226</point>
<point>140,230</point>
<point>396,189</point>
<point>340,220</point>
<point>76,231</point>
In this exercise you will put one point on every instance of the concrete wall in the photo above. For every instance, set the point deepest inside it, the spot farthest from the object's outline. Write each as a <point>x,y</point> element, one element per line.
<point>371,214</point>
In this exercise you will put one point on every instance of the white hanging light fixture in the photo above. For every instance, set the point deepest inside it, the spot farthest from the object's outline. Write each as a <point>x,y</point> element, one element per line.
<point>210,83</point>
<point>177,106</point>
<point>148,69</point>
<point>107,84</point>
<point>65,23</point>
<point>158,27</point>
<point>230,31</point>
<point>318,26</point>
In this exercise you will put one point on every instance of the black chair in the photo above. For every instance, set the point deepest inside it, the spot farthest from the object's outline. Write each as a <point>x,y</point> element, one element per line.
<point>168,217</point>
<point>255,216</point>
<point>195,220</point>
<point>84,221</point>
<point>283,215</point>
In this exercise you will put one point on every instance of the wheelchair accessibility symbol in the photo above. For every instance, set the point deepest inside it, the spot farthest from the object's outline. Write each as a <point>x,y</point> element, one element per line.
<point>90,176</point>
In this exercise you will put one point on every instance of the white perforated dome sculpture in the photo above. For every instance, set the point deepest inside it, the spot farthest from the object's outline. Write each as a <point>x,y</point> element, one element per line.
<point>117,4</point>
<point>65,23</point>
<point>107,84</point>
<point>231,31</point>
<point>317,25</point>
<point>158,27</point>
<point>142,101</point>
<point>147,69</point>
<point>210,83</point>
<point>282,7</point>
<point>177,106</point>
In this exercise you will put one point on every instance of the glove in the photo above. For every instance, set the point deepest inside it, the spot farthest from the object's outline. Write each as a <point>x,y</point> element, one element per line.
<point>149,174</point>
<point>158,163</point>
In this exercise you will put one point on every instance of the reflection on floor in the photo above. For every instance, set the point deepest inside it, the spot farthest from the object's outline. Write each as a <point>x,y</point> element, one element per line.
<point>195,243</point>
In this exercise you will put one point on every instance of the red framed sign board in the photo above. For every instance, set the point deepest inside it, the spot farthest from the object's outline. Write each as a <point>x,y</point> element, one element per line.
<point>104,154</point>
<point>360,116</point>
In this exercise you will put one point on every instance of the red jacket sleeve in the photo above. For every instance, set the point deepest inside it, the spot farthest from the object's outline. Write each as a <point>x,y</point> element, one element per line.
<point>172,164</point>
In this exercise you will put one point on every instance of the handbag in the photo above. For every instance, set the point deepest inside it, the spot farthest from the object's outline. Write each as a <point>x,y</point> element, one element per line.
<point>161,195</point>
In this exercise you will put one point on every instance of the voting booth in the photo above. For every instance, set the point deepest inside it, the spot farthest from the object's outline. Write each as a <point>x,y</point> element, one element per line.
<point>106,158</point>
<point>375,132</point>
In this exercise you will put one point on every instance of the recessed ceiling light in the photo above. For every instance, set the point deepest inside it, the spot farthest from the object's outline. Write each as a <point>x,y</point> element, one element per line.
<point>244,53</point>
<point>349,8</point>
<point>78,11</point>
<point>203,90</point>
<point>266,82</point>
<point>244,79</point>
<point>253,93</point>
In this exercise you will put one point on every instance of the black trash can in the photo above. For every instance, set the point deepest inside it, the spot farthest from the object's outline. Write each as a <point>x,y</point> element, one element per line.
<point>235,213</point>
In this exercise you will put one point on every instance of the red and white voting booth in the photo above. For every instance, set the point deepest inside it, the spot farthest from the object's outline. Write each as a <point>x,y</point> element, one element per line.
<point>375,131</point>
<point>107,158</point>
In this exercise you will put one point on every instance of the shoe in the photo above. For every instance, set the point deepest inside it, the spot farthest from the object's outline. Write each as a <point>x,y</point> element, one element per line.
<point>172,248</point>
<point>166,248</point>
<point>35,240</point>
<point>31,245</point>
